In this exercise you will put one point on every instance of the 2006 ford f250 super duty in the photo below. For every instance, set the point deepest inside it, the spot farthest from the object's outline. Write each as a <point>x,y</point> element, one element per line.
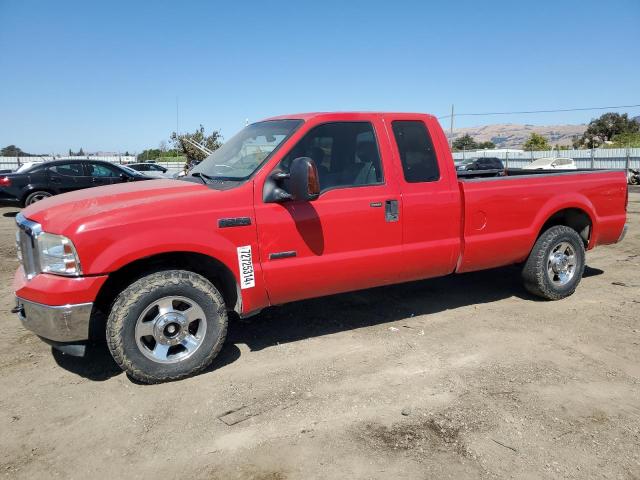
<point>290,208</point>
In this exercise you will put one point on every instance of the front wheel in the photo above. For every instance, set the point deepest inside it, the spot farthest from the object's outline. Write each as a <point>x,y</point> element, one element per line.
<point>556,264</point>
<point>34,197</point>
<point>166,326</point>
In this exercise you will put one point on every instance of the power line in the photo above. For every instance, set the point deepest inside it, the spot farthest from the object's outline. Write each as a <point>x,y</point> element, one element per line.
<point>540,111</point>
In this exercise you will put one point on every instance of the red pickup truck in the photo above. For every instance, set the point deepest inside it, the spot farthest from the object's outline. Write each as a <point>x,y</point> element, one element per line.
<point>293,207</point>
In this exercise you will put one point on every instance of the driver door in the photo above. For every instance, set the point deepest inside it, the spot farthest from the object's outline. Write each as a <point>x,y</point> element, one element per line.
<point>351,236</point>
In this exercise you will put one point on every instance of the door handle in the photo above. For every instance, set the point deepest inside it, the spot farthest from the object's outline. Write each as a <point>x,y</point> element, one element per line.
<point>391,213</point>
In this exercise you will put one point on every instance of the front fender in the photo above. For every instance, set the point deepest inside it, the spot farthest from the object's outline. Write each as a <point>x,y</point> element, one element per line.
<point>115,253</point>
<point>109,250</point>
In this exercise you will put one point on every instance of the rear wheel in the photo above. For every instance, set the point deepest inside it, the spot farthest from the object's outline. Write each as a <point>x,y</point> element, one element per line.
<point>166,326</point>
<point>556,264</point>
<point>34,197</point>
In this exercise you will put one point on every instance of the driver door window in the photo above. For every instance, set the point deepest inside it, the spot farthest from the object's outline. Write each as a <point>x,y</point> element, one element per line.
<point>346,154</point>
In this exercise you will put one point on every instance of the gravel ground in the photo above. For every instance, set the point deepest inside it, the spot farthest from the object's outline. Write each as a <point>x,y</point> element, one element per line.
<point>460,377</point>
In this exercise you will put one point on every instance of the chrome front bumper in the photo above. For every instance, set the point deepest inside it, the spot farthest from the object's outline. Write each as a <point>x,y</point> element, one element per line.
<point>66,323</point>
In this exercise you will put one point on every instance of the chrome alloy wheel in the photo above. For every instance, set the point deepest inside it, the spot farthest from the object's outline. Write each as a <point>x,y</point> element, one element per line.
<point>38,197</point>
<point>170,329</point>
<point>561,264</point>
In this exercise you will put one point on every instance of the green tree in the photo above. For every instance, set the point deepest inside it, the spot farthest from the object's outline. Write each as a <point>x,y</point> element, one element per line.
<point>465,142</point>
<point>486,145</point>
<point>150,154</point>
<point>13,151</point>
<point>625,140</point>
<point>156,153</point>
<point>605,128</point>
<point>212,141</point>
<point>536,142</point>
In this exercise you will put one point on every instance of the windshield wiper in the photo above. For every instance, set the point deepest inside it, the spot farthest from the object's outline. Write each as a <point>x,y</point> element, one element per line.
<point>216,178</point>
<point>202,176</point>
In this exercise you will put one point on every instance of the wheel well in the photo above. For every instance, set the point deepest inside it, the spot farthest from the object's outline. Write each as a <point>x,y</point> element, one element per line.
<point>210,268</point>
<point>573,218</point>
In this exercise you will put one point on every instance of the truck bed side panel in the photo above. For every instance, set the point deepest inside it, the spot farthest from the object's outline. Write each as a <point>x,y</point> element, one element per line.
<point>504,216</point>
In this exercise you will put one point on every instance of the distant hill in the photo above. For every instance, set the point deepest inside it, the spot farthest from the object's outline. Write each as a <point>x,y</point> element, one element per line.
<point>511,135</point>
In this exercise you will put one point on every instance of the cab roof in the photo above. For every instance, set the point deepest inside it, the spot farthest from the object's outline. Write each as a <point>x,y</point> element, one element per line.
<point>344,115</point>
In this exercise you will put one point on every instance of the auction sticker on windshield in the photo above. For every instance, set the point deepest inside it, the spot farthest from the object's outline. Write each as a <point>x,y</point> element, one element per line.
<point>245,262</point>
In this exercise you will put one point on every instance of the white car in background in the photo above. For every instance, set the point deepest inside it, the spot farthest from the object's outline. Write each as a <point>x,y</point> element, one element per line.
<point>151,169</point>
<point>552,163</point>
<point>23,167</point>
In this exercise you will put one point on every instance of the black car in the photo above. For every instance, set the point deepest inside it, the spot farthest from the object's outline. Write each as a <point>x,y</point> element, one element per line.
<point>45,179</point>
<point>485,163</point>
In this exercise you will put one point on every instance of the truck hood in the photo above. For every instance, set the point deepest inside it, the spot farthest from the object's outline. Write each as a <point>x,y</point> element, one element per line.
<point>116,204</point>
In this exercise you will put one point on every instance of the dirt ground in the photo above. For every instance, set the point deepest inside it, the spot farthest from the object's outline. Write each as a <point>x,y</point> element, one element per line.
<point>460,377</point>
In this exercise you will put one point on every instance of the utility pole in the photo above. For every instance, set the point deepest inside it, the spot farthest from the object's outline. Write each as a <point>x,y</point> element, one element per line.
<point>451,129</point>
<point>177,119</point>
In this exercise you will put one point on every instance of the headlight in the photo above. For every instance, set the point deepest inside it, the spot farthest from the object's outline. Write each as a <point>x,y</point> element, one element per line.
<point>57,255</point>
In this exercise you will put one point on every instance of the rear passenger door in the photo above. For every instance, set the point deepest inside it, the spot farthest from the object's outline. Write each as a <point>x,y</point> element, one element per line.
<point>431,209</point>
<point>351,236</point>
<point>67,177</point>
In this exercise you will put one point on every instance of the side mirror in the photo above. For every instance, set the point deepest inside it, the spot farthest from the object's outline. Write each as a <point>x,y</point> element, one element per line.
<point>304,182</point>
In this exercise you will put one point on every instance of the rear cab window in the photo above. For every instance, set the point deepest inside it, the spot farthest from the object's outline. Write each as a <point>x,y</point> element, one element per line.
<point>417,154</point>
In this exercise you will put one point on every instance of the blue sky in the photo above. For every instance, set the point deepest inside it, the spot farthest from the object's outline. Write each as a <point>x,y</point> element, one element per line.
<point>105,75</point>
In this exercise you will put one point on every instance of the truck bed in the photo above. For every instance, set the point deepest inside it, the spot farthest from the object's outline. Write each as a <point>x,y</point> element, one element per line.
<point>502,216</point>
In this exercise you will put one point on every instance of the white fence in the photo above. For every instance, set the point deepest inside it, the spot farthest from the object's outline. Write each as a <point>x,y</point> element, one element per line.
<point>614,158</point>
<point>11,163</point>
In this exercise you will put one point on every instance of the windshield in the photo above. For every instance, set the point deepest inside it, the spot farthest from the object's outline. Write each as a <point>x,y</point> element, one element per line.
<point>241,156</point>
<point>26,166</point>
<point>130,170</point>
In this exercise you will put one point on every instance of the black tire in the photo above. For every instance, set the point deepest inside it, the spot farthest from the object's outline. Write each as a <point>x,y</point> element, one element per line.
<point>536,276</point>
<point>131,304</point>
<point>36,196</point>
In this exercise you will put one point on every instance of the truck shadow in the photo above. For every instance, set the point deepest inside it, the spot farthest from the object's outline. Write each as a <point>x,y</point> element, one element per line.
<point>98,365</point>
<point>348,311</point>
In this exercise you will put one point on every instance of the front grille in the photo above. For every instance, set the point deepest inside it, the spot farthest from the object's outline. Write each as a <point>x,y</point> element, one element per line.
<point>26,240</point>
